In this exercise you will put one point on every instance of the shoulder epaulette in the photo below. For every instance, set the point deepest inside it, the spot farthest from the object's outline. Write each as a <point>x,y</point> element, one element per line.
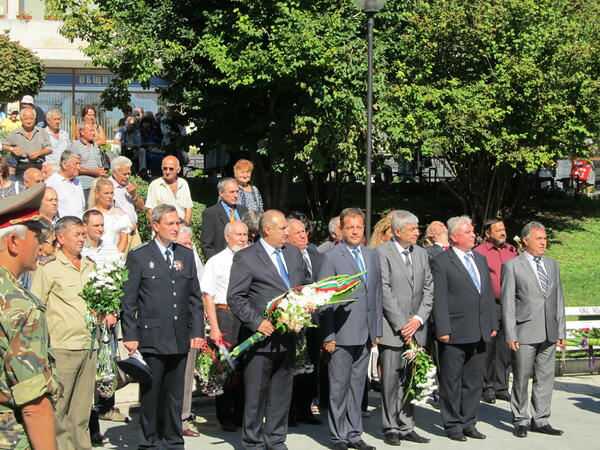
<point>46,261</point>
<point>139,246</point>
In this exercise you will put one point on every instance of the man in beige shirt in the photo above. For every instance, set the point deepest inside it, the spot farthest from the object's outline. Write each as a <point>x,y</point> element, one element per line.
<point>57,284</point>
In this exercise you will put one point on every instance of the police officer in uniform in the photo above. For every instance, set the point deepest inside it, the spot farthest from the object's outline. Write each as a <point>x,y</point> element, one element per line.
<point>27,383</point>
<point>162,317</point>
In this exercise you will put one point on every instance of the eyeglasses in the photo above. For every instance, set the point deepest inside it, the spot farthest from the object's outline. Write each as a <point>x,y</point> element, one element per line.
<point>168,169</point>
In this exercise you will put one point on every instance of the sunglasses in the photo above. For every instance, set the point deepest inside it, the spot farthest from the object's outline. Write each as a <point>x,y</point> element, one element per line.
<point>168,169</point>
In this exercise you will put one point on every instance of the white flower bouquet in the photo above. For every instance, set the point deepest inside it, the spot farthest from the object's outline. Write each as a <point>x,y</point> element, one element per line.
<point>422,375</point>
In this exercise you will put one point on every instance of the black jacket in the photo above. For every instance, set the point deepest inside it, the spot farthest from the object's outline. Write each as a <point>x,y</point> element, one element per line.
<point>214,220</point>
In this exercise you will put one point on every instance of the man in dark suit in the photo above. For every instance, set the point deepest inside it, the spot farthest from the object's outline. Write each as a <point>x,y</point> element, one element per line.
<point>218,215</point>
<point>162,317</point>
<point>465,319</point>
<point>260,273</point>
<point>436,235</point>
<point>533,312</point>
<point>350,329</point>
<point>407,303</point>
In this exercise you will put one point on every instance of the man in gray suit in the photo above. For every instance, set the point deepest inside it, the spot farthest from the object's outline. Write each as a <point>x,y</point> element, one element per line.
<point>533,314</point>
<point>350,329</point>
<point>407,303</point>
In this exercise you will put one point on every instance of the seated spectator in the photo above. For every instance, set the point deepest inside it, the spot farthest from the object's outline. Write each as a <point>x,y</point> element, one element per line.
<point>32,176</point>
<point>335,235</point>
<point>59,138</point>
<point>88,116</point>
<point>91,162</point>
<point>49,205</point>
<point>8,187</point>
<point>151,141</point>
<point>170,190</point>
<point>130,140</point>
<point>382,232</point>
<point>251,219</point>
<point>71,201</point>
<point>49,168</point>
<point>248,194</point>
<point>40,117</point>
<point>28,144</point>
<point>11,123</point>
<point>173,130</point>
<point>117,225</point>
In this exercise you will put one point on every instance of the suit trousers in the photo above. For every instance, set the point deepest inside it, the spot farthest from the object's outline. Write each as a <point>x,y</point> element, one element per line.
<point>162,402</point>
<point>461,383</point>
<point>76,370</point>
<point>348,367</point>
<point>268,380</point>
<point>396,418</point>
<point>497,362</point>
<point>537,360</point>
<point>188,388</point>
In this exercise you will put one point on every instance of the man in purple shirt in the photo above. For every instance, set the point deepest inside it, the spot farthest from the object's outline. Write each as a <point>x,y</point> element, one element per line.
<point>496,251</point>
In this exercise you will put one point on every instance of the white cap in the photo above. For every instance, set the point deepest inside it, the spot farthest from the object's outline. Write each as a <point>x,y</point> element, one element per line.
<point>27,99</point>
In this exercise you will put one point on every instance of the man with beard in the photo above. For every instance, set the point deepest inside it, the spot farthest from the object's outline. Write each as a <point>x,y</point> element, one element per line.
<point>223,324</point>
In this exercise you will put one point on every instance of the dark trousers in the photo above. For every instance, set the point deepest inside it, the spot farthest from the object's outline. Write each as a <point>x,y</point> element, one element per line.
<point>497,364</point>
<point>461,383</point>
<point>268,380</point>
<point>305,385</point>
<point>162,402</point>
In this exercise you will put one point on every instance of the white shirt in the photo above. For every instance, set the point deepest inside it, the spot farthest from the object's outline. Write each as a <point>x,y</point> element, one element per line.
<point>124,201</point>
<point>215,279</point>
<point>271,252</point>
<point>533,265</point>
<point>461,255</point>
<point>71,201</point>
<point>58,145</point>
<point>96,254</point>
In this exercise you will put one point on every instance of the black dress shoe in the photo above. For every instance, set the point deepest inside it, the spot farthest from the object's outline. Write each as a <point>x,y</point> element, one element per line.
<point>340,446</point>
<point>228,426</point>
<point>489,396</point>
<point>391,439</point>
<point>547,429</point>
<point>502,395</point>
<point>311,420</point>
<point>474,434</point>
<point>361,445</point>
<point>414,437</point>
<point>520,431</point>
<point>458,436</point>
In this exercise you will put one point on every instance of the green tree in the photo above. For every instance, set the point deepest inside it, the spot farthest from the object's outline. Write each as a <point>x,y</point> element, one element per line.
<point>21,72</point>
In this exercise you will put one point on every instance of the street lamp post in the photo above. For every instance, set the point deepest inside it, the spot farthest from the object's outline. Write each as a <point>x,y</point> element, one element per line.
<point>370,8</point>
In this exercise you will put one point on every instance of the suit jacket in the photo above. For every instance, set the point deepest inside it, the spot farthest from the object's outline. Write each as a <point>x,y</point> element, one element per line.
<point>403,296</point>
<point>357,322</point>
<point>529,316</point>
<point>255,281</point>
<point>214,220</point>
<point>434,250</point>
<point>161,308</point>
<point>316,258</point>
<point>458,309</point>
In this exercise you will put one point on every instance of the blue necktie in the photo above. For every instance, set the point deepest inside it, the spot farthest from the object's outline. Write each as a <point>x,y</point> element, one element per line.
<point>282,270</point>
<point>359,263</point>
<point>471,270</point>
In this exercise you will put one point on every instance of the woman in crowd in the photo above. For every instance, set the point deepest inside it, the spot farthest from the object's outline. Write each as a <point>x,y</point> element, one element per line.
<point>88,114</point>
<point>248,194</point>
<point>381,233</point>
<point>8,188</point>
<point>117,224</point>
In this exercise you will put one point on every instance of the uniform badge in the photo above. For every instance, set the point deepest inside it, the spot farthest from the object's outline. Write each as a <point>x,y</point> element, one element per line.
<point>151,265</point>
<point>178,265</point>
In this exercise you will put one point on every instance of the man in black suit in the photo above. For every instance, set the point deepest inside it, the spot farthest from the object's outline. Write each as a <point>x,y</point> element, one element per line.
<point>436,235</point>
<point>162,317</point>
<point>218,215</point>
<point>260,273</point>
<point>465,319</point>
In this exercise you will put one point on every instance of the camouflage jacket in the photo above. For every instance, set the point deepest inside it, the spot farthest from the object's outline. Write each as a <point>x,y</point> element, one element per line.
<point>26,360</point>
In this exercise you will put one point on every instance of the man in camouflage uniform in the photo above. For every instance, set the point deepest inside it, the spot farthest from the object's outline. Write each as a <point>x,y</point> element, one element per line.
<point>27,383</point>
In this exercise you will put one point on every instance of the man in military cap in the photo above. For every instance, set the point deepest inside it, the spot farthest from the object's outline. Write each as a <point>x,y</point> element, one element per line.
<point>27,382</point>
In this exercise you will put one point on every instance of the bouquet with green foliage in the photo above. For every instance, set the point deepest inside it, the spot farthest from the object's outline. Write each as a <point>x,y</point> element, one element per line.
<point>422,374</point>
<point>213,373</point>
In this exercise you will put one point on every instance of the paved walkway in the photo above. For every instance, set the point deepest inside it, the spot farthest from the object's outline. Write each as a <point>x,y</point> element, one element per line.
<point>575,409</point>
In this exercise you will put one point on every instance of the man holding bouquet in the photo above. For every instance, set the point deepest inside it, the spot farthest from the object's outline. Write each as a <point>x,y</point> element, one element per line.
<point>260,273</point>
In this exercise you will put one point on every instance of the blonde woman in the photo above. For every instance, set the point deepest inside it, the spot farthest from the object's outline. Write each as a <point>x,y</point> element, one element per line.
<point>117,224</point>
<point>381,233</point>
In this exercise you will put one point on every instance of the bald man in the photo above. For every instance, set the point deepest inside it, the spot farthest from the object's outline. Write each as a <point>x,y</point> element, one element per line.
<point>32,176</point>
<point>259,273</point>
<point>170,190</point>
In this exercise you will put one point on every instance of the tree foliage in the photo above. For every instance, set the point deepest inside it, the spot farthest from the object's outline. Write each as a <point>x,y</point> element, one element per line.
<point>21,72</point>
<point>498,88</point>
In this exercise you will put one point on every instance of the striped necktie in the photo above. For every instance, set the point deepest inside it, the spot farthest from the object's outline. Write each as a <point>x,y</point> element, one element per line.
<point>541,274</point>
<point>471,270</point>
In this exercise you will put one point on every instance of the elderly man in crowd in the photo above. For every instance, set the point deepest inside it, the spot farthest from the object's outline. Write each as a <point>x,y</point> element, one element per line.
<point>28,103</point>
<point>170,190</point>
<point>126,196</point>
<point>71,201</point>
<point>130,140</point>
<point>58,284</point>
<point>496,251</point>
<point>533,312</point>
<point>223,324</point>
<point>217,216</point>
<point>465,318</point>
<point>59,138</point>
<point>49,206</point>
<point>437,233</point>
<point>32,176</point>
<point>28,144</point>
<point>50,167</point>
<point>407,303</point>
<point>91,163</point>
<point>334,235</point>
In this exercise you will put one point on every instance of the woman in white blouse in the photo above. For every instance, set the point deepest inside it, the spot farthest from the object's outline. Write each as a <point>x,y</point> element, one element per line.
<point>117,224</point>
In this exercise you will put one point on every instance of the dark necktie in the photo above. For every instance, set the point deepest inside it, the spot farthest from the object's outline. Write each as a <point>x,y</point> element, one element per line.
<point>308,263</point>
<point>169,259</point>
<point>409,267</point>
<point>541,275</point>
<point>282,270</point>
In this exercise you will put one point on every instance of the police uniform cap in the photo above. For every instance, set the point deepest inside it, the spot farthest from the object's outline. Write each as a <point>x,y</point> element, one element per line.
<point>23,208</point>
